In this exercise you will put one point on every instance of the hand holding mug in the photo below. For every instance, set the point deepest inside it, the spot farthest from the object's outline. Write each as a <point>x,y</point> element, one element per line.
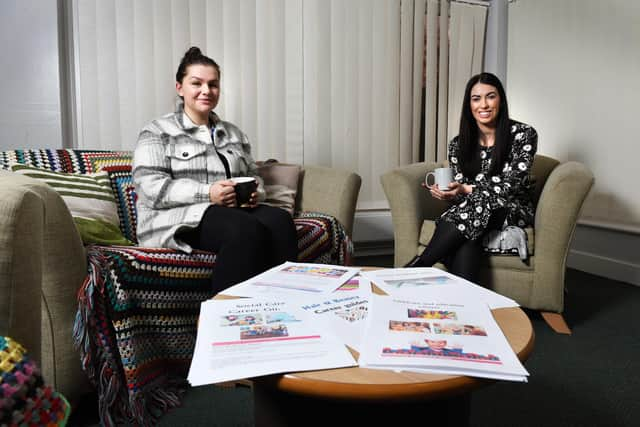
<point>442,178</point>
<point>245,191</point>
<point>222,193</point>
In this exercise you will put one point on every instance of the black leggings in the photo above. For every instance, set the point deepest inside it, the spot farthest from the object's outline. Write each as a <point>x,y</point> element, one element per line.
<point>460,255</point>
<point>246,241</point>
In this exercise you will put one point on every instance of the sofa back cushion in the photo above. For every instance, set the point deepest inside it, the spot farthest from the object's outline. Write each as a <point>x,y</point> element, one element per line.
<point>117,164</point>
<point>90,201</point>
<point>280,184</point>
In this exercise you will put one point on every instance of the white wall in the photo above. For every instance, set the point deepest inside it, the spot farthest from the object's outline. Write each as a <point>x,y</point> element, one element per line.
<point>30,101</point>
<point>574,74</point>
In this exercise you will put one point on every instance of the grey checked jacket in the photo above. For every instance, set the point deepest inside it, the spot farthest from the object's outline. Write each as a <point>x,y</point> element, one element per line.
<point>175,162</point>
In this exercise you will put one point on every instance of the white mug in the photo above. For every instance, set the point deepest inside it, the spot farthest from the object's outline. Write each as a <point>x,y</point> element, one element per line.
<point>441,176</point>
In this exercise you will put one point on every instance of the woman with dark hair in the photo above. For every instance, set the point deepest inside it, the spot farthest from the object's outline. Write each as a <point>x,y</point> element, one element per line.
<point>491,159</point>
<point>183,167</point>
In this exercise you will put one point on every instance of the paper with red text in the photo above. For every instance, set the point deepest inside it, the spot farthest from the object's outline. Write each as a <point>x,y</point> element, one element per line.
<point>247,337</point>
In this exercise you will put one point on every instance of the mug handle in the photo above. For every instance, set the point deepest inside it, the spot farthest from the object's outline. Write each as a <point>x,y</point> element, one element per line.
<point>426,180</point>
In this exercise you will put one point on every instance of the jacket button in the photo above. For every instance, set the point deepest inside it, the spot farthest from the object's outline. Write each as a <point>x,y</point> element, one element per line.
<point>185,154</point>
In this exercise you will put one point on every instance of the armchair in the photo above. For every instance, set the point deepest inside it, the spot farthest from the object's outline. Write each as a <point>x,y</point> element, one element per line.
<point>560,190</point>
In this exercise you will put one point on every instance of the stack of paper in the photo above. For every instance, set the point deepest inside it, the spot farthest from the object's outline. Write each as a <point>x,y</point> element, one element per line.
<point>298,317</point>
<point>247,337</point>
<point>427,334</point>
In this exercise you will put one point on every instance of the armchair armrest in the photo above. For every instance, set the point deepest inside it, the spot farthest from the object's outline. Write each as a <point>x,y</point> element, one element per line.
<point>22,213</point>
<point>331,191</point>
<point>556,215</point>
<point>44,264</point>
<point>410,206</point>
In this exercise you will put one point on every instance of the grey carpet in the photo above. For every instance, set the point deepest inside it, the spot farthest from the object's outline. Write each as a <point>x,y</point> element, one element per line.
<point>589,378</point>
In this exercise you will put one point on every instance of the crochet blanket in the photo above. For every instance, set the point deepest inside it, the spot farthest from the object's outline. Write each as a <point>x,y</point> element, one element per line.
<point>138,308</point>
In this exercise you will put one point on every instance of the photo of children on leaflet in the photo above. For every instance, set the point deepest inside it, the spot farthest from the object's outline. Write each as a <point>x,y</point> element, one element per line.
<point>396,325</point>
<point>417,313</point>
<point>458,329</point>
<point>241,319</point>
<point>261,331</point>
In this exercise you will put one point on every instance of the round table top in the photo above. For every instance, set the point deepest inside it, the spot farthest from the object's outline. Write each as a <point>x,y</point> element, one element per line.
<point>363,384</point>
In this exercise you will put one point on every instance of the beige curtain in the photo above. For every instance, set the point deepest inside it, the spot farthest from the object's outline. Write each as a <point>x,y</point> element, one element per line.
<point>454,52</point>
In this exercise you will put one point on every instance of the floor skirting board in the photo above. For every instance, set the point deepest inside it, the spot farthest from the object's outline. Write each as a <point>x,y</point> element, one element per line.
<point>604,266</point>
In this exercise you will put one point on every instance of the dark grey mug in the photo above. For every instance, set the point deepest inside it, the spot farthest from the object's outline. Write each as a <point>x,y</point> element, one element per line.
<point>245,185</point>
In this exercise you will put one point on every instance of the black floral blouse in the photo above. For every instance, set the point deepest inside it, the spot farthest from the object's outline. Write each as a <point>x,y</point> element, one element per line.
<point>512,188</point>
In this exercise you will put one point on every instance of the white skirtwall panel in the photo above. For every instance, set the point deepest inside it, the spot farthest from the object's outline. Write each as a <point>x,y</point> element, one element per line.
<point>197,22</point>
<point>466,56</point>
<point>126,65</point>
<point>431,81</point>
<point>573,70</point>
<point>385,150</point>
<point>166,56</point>
<point>107,114</point>
<point>443,81</point>
<point>340,20</point>
<point>365,100</point>
<point>345,82</point>
<point>215,48</point>
<point>231,62</point>
<point>270,60</point>
<point>145,76</point>
<point>417,77</point>
<point>317,81</point>
<point>407,107</point>
<point>248,72</point>
<point>293,95</point>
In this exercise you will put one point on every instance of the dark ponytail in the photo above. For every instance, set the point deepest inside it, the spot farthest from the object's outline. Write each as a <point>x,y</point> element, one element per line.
<point>194,56</point>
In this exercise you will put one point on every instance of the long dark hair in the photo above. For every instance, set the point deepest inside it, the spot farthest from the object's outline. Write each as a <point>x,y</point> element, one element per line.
<point>194,56</point>
<point>468,135</point>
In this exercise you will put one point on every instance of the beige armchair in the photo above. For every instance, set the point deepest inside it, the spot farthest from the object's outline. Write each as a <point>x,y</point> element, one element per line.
<point>560,192</point>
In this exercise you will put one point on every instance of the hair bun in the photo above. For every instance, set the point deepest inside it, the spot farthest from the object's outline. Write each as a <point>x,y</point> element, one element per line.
<point>193,51</point>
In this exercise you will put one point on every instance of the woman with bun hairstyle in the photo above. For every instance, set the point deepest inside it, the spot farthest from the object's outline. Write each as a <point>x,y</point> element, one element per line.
<point>182,170</point>
<point>491,159</point>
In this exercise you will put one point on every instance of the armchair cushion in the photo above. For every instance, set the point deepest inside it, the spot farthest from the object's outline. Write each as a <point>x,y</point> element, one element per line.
<point>280,184</point>
<point>89,199</point>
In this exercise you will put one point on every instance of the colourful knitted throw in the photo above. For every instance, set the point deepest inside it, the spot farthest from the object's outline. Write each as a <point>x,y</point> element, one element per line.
<point>136,321</point>
<point>25,400</point>
<point>137,309</point>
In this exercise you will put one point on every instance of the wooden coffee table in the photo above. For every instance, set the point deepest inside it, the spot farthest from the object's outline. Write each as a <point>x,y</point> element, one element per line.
<point>370,397</point>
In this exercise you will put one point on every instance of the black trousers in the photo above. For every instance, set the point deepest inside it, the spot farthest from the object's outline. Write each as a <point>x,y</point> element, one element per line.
<point>246,241</point>
<point>461,256</point>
